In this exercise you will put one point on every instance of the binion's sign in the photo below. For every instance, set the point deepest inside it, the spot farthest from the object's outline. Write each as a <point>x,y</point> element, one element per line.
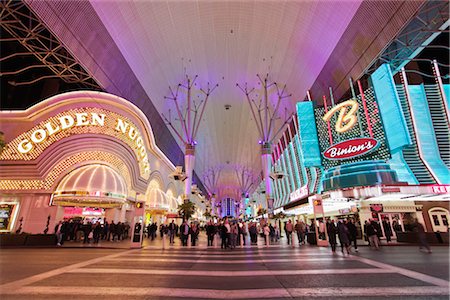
<point>351,148</point>
<point>351,131</point>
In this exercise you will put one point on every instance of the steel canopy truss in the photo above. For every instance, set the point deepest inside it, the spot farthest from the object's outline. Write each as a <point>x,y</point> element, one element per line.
<point>24,27</point>
<point>430,21</point>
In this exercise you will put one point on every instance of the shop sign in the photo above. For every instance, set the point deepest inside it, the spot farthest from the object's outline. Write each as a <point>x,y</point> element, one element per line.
<point>440,189</point>
<point>300,193</point>
<point>390,189</point>
<point>344,211</point>
<point>376,208</point>
<point>351,148</point>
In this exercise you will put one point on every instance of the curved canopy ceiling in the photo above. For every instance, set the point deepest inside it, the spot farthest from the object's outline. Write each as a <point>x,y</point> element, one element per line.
<point>137,49</point>
<point>225,42</point>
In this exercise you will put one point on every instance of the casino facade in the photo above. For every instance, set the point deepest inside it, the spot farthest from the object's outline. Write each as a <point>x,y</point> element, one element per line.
<point>89,155</point>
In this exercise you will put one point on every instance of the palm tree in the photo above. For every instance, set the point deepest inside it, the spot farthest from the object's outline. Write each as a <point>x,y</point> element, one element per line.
<point>261,211</point>
<point>207,214</point>
<point>186,209</point>
<point>279,215</point>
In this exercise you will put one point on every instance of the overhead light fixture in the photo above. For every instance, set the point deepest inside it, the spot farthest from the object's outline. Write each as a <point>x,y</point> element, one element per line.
<point>178,174</point>
<point>277,175</point>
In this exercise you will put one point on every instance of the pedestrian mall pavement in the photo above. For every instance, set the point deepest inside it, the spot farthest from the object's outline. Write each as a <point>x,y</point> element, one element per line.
<point>256,272</point>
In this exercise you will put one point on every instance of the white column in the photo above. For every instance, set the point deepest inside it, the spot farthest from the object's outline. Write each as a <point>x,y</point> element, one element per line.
<point>123,212</point>
<point>189,161</point>
<point>266,156</point>
<point>116,215</point>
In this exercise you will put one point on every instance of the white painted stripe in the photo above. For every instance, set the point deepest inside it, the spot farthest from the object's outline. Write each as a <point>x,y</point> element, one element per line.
<point>405,272</point>
<point>229,273</point>
<point>234,256</point>
<point>238,261</point>
<point>234,252</point>
<point>204,247</point>
<point>369,291</point>
<point>32,279</point>
<point>228,294</point>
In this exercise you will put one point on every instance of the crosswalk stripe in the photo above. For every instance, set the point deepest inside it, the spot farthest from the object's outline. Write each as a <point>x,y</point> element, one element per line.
<point>227,294</point>
<point>230,273</point>
<point>256,255</point>
<point>405,272</point>
<point>238,261</point>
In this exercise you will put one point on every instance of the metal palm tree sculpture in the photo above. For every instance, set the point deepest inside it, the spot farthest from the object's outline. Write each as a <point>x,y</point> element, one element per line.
<point>189,119</point>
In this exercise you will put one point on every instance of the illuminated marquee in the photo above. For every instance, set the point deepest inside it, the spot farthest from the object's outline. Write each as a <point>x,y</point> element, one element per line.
<point>351,131</point>
<point>65,122</point>
<point>78,121</point>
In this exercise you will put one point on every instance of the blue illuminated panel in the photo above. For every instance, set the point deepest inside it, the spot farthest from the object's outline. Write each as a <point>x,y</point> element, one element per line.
<point>426,138</point>
<point>395,126</point>
<point>311,155</point>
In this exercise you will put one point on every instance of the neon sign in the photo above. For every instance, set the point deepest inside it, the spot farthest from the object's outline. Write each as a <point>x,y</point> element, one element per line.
<point>65,122</point>
<point>346,120</point>
<point>351,148</point>
<point>86,119</point>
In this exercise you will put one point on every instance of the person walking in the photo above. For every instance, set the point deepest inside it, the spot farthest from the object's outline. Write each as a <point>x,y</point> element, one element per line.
<point>423,243</point>
<point>344,237</point>
<point>253,233</point>
<point>289,228</point>
<point>300,229</point>
<point>233,235</point>
<point>277,232</point>
<point>223,235</point>
<point>97,232</point>
<point>184,232</point>
<point>332,230</point>
<point>352,231</point>
<point>243,232</point>
<point>59,231</point>
<point>266,231</point>
<point>172,228</point>
<point>371,232</point>
<point>194,233</point>
<point>387,230</point>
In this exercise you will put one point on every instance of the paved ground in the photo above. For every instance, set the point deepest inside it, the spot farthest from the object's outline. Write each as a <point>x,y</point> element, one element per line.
<point>255,272</point>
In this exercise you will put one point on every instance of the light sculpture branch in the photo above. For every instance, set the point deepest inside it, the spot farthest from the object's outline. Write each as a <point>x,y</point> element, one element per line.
<point>189,119</point>
<point>263,111</point>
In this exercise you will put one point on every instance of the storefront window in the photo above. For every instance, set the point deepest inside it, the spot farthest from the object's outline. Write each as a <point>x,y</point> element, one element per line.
<point>444,220</point>
<point>436,220</point>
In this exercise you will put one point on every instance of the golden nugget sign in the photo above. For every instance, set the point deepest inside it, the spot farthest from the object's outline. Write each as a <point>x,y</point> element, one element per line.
<point>71,120</point>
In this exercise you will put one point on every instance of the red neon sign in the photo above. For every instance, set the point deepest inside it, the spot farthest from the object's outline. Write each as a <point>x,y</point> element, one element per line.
<point>351,148</point>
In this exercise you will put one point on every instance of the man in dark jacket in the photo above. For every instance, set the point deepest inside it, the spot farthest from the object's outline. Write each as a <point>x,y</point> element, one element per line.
<point>372,234</point>
<point>332,230</point>
<point>352,233</point>
<point>210,232</point>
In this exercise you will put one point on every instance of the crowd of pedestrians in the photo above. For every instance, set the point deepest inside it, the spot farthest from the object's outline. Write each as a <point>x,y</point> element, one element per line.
<point>88,232</point>
<point>232,233</point>
<point>228,232</point>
